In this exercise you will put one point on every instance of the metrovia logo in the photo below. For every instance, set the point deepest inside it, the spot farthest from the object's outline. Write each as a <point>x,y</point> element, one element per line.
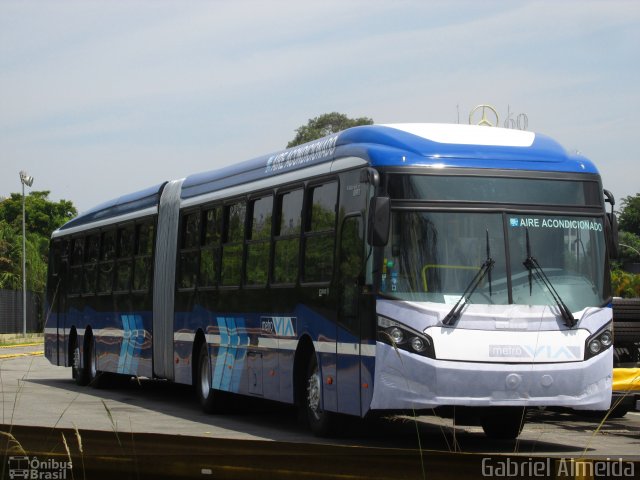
<point>279,326</point>
<point>539,351</point>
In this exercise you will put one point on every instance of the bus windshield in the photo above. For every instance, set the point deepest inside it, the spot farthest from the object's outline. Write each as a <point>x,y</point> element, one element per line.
<point>434,256</point>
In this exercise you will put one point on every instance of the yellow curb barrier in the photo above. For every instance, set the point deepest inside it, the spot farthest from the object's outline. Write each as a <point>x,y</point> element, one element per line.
<point>21,345</point>
<point>15,355</point>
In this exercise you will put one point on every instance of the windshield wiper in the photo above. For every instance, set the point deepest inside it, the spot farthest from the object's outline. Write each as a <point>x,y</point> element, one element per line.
<point>532,265</point>
<point>485,269</point>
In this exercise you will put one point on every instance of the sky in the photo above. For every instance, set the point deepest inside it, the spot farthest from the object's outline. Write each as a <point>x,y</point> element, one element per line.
<point>102,98</point>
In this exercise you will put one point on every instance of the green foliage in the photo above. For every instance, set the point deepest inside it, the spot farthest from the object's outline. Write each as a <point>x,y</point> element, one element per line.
<point>42,218</point>
<point>629,247</point>
<point>629,218</point>
<point>10,256</point>
<point>624,284</point>
<point>324,125</point>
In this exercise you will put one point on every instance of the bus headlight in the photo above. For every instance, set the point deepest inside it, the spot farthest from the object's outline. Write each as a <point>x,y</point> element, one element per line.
<point>606,338</point>
<point>396,335</point>
<point>418,344</point>
<point>599,341</point>
<point>405,338</point>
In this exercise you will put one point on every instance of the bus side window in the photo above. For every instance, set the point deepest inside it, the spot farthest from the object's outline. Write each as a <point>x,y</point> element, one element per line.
<point>77,255</point>
<point>212,233</point>
<point>91,253</point>
<point>189,250</point>
<point>233,243</point>
<point>287,237</point>
<point>107,256</point>
<point>320,232</point>
<point>125,251</point>
<point>259,241</point>
<point>143,255</point>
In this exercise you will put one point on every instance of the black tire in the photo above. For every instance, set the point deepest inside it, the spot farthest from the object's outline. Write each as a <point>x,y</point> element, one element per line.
<point>79,372</point>
<point>321,423</point>
<point>211,400</point>
<point>96,377</point>
<point>619,411</point>
<point>503,423</point>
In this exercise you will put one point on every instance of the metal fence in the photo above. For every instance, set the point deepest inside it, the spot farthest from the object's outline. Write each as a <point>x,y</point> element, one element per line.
<point>11,319</point>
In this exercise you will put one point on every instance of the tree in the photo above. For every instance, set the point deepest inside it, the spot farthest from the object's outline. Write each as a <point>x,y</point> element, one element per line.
<point>629,247</point>
<point>629,218</point>
<point>626,284</point>
<point>42,218</point>
<point>324,125</point>
<point>42,215</point>
<point>10,255</point>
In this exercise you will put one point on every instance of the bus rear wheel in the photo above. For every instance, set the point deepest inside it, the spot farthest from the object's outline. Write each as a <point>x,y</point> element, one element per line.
<point>79,372</point>
<point>97,379</point>
<point>210,399</point>
<point>321,422</point>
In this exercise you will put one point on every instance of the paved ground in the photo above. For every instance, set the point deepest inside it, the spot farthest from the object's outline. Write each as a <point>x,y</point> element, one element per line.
<point>26,350</point>
<point>36,393</point>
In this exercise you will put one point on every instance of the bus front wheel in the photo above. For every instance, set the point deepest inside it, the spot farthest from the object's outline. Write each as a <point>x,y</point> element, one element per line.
<point>321,422</point>
<point>503,423</point>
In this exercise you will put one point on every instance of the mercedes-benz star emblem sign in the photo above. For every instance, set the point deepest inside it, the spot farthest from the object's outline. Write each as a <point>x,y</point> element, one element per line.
<point>484,109</point>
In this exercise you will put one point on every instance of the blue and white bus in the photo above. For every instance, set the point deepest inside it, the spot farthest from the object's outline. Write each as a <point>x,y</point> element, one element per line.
<point>385,268</point>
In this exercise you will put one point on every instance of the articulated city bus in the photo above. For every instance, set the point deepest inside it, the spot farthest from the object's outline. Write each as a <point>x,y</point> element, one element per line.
<point>386,268</point>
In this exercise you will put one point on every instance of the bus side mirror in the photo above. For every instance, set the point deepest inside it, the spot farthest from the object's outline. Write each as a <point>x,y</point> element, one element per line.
<point>612,226</point>
<point>379,221</point>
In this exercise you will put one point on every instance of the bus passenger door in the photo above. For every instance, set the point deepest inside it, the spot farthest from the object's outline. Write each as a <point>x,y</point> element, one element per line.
<point>349,284</point>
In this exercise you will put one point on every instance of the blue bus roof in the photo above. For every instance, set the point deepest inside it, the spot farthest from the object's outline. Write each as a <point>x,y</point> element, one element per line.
<point>402,145</point>
<point>429,145</point>
<point>130,203</point>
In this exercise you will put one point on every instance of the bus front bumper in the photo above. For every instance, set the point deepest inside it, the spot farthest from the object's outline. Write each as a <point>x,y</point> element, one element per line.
<point>407,381</point>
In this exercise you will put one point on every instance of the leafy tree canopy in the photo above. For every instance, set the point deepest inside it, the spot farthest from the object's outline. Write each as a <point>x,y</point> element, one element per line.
<point>42,215</point>
<point>324,125</point>
<point>629,218</point>
<point>629,247</point>
<point>42,218</point>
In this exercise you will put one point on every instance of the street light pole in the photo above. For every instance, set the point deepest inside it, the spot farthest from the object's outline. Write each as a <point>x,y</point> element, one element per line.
<point>28,181</point>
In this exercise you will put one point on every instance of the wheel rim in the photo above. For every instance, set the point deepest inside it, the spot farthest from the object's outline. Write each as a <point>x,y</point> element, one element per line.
<point>76,359</point>
<point>92,363</point>
<point>205,382</point>
<point>313,393</point>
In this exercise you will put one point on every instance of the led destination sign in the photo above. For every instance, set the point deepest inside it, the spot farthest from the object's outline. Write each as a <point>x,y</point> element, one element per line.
<point>568,223</point>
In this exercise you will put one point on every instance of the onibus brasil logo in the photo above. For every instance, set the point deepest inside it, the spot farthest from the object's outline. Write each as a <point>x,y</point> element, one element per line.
<point>24,467</point>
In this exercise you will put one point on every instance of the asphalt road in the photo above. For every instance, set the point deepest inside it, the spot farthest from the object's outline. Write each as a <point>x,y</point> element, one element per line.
<point>36,393</point>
